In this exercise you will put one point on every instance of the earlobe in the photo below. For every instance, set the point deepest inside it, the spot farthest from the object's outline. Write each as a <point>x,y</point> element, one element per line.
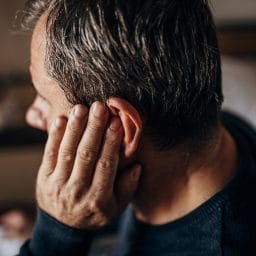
<point>131,121</point>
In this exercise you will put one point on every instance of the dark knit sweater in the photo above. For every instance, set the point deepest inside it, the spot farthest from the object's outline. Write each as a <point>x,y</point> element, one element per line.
<point>223,225</point>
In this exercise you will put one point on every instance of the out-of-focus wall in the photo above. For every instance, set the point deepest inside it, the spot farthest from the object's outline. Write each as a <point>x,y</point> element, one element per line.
<point>18,170</point>
<point>18,166</point>
<point>229,11</point>
<point>14,50</point>
<point>239,87</point>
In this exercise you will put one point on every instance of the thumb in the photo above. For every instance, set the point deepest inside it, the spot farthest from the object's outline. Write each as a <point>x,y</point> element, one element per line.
<point>128,184</point>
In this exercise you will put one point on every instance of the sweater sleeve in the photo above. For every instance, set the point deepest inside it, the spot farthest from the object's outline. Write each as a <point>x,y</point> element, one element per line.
<point>51,238</point>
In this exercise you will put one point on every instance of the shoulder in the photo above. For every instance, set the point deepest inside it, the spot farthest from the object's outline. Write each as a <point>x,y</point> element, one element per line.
<point>239,212</point>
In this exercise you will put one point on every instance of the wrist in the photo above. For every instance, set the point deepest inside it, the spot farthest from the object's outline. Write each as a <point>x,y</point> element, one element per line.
<point>51,237</point>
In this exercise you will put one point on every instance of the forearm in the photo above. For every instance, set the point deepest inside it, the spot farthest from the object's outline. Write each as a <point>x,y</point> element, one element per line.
<point>51,238</point>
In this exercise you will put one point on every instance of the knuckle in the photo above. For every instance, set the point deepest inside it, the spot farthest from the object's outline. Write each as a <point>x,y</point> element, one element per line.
<point>96,205</point>
<point>50,153</point>
<point>86,155</point>
<point>69,195</point>
<point>100,220</point>
<point>66,155</point>
<point>106,163</point>
<point>74,190</point>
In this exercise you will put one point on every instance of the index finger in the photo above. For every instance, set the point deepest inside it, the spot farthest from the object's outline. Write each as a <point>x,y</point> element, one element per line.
<point>50,156</point>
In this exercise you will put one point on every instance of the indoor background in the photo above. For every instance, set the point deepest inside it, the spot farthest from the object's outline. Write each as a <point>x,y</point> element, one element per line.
<point>21,147</point>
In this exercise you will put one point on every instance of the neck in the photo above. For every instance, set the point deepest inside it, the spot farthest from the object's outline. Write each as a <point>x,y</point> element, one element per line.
<point>172,185</point>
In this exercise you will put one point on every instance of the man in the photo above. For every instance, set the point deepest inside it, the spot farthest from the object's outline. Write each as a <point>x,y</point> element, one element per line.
<point>153,138</point>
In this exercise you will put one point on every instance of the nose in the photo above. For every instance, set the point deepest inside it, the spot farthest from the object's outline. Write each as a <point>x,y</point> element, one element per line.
<point>35,118</point>
<point>38,114</point>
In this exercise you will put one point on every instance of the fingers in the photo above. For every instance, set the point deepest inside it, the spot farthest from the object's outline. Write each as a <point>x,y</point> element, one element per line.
<point>55,136</point>
<point>68,147</point>
<point>80,166</point>
<point>89,147</point>
<point>105,174</point>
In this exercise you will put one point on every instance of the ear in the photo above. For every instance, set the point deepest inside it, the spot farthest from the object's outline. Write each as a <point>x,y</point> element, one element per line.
<point>131,121</point>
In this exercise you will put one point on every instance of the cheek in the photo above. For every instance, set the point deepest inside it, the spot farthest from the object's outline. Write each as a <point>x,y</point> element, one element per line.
<point>35,119</point>
<point>39,114</point>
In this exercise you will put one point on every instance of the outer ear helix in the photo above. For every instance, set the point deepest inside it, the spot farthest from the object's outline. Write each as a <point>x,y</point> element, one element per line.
<point>131,122</point>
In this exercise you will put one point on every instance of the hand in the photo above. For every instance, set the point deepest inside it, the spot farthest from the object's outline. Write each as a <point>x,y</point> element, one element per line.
<point>77,182</point>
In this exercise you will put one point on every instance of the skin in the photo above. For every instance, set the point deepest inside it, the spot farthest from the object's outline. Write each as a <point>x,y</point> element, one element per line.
<point>78,176</point>
<point>80,182</point>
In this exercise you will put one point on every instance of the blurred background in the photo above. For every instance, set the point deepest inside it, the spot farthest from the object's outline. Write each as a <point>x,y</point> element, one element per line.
<point>21,147</point>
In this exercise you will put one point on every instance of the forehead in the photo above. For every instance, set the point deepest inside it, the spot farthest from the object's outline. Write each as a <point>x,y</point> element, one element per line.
<point>39,75</point>
<point>38,44</point>
<point>45,85</point>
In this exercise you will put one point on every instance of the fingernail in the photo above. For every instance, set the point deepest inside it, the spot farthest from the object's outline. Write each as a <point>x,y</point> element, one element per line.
<point>80,111</point>
<point>98,109</point>
<point>115,124</point>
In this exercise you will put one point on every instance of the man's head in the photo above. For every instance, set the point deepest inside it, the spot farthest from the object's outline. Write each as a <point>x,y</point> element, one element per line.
<point>160,56</point>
